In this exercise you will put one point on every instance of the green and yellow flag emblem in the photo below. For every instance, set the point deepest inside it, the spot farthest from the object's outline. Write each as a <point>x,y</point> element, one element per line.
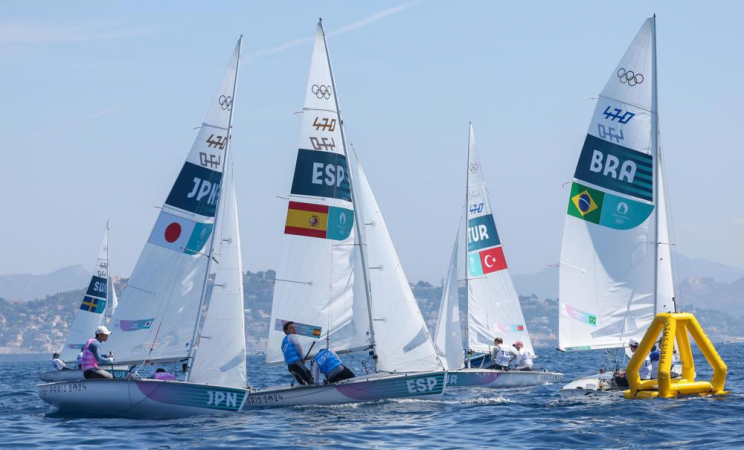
<point>585,203</point>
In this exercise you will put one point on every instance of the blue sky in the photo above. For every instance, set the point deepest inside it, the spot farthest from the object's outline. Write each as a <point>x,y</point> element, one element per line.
<point>100,100</point>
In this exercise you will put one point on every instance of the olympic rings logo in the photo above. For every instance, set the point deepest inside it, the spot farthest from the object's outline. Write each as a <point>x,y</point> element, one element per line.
<point>226,102</point>
<point>630,77</point>
<point>321,91</point>
<point>473,167</point>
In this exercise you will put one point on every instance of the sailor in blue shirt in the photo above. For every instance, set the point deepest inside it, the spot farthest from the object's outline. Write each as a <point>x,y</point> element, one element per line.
<point>293,355</point>
<point>328,363</point>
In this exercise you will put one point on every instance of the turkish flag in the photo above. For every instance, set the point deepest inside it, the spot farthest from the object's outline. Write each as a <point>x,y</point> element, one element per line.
<point>492,259</point>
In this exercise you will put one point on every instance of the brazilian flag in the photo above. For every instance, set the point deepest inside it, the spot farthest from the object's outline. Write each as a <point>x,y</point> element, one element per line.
<point>585,203</point>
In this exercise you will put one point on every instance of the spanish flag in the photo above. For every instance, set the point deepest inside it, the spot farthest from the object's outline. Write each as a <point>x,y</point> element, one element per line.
<point>307,219</point>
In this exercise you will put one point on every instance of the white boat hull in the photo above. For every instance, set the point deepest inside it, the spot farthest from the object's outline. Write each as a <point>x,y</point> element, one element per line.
<point>73,375</point>
<point>364,388</point>
<point>156,399</point>
<point>490,378</point>
<point>599,384</point>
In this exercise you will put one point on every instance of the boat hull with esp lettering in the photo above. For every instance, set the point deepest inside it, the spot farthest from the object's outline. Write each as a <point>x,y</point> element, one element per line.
<point>138,399</point>
<point>499,379</point>
<point>363,388</point>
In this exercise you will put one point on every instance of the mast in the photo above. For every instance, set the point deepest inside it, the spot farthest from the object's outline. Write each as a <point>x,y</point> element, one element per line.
<point>655,150</point>
<point>109,283</point>
<point>465,246</point>
<point>365,269</point>
<point>228,138</point>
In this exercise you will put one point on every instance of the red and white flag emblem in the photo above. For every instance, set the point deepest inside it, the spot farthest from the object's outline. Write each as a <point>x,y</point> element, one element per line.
<point>172,232</point>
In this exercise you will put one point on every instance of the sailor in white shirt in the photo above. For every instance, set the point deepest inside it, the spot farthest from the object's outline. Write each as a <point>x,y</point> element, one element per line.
<point>645,370</point>
<point>57,363</point>
<point>524,357</point>
<point>502,355</point>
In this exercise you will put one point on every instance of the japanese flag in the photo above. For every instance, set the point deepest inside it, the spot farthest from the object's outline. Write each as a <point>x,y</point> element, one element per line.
<point>172,232</point>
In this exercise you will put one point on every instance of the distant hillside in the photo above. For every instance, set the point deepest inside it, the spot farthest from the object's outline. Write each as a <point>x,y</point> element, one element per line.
<point>40,326</point>
<point>544,284</point>
<point>30,287</point>
<point>708,293</point>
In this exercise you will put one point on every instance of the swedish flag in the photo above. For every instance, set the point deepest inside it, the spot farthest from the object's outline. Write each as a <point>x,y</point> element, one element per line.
<point>92,304</point>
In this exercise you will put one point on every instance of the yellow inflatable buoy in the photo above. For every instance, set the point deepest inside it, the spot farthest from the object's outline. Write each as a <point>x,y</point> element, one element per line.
<point>675,325</point>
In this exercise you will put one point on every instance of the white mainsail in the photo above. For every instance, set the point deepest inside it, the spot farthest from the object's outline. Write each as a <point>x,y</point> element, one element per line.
<point>220,355</point>
<point>315,277</point>
<point>403,341</point>
<point>448,335</point>
<point>609,266</point>
<point>493,304</point>
<point>157,318</point>
<point>91,313</point>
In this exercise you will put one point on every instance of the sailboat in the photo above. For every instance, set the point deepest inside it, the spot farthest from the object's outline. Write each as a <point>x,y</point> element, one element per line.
<point>493,308</point>
<point>98,305</point>
<point>339,277</point>
<point>615,270</point>
<point>184,300</point>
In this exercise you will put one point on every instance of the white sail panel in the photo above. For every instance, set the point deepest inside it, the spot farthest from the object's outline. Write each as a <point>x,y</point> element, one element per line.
<point>318,259</point>
<point>220,355</point>
<point>493,304</point>
<point>157,317</point>
<point>448,335</point>
<point>607,273</point>
<point>91,313</point>
<point>402,338</point>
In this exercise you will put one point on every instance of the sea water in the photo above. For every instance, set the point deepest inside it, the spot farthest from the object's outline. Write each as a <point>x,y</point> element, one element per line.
<point>519,418</point>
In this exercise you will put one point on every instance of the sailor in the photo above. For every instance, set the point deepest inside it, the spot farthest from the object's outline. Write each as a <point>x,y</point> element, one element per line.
<point>293,355</point>
<point>654,357</point>
<point>328,363</point>
<point>161,374</point>
<point>645,369</point>
<point>502,355</point>
<point>80,358</point>
<point>58,363</point>
<point>92,355</point>
<point>524,357</point>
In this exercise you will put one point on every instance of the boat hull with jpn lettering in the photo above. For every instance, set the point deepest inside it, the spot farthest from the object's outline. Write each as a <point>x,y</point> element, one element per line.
<point>363,388</point>
<point>496,379</point>
<point>138,399</point>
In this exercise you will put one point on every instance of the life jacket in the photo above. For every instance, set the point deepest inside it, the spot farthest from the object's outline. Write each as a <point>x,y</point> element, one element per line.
<point>291,355</point>
<point>327,361</point>
<point>166,376</point>
<point>89,359</point>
